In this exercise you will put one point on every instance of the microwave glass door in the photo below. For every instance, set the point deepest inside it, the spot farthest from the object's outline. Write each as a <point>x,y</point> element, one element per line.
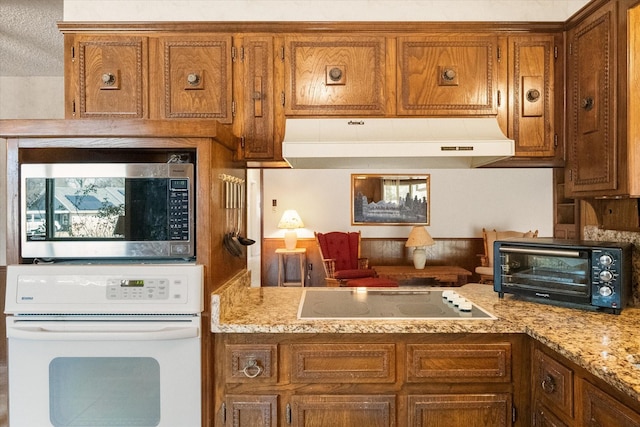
<point>562,272</point>
<point>131,209</point>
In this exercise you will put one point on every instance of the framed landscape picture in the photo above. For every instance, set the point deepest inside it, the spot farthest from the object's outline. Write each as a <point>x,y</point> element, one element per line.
<point>389,199</point>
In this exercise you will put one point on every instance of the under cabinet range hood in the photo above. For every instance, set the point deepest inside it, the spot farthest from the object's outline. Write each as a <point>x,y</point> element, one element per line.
<point>395,143</point>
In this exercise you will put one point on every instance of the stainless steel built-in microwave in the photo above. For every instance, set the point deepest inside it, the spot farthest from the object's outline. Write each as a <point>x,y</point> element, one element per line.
<point>585,274</point>
<point>107,211</point>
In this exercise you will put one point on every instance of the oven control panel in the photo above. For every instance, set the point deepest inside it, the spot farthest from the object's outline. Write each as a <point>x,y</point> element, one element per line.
<point>138,289</point>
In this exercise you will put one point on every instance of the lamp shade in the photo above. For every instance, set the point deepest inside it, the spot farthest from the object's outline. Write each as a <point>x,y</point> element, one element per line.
<point>419,236</point>
<point>290,220</point>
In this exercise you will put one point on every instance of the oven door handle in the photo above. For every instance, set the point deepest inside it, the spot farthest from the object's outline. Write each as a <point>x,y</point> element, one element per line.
<point>552,252</point>
<point>53,334</point>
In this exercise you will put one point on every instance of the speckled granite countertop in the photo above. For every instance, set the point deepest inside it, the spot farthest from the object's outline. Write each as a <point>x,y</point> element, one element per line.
<point>606,345</point>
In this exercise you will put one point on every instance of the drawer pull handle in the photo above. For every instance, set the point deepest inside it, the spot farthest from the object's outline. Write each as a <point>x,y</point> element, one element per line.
<point>548,384</point>
<point>252,369</point>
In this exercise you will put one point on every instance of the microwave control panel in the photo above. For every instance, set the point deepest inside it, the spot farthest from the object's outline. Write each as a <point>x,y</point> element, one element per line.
<point>179,209</point>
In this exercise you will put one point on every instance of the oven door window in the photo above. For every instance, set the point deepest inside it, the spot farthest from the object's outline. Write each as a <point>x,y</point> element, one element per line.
<point>104,391</point>
<point>553,272</point>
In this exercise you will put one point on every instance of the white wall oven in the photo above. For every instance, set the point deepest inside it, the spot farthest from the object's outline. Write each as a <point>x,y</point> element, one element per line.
<point>104,345</point>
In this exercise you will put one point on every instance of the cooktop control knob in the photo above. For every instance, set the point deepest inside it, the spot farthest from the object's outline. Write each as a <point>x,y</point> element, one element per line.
<point>606,260</point>
<point>605,291</point>
<point>606,276</point>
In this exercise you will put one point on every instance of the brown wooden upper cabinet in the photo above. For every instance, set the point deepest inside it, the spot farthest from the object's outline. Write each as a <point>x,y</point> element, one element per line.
<point>447,75</point>
<point>531,94</point>
<point>257,98</point>
<point>335,75</point>
<point>107,77</point>
<point>196,78</point>
<point>158,77</point>
<point>603,89</point>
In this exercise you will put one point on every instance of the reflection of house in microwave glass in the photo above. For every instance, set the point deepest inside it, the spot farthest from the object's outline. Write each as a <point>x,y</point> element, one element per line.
<point>82,208</point>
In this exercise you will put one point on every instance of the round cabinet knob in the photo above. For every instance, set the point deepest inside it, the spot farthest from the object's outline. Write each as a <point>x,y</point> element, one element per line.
<point>587,103</point>
<point>335,74</point>
<point>606,260</point>
<point>605,276</point>
<point>605,291</point>
<point>108,79</point>
<point>449,74</point>
<point>533,95</point>
<point>193,79</point>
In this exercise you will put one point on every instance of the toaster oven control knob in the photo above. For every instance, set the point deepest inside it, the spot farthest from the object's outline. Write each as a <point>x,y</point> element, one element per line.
<point>606,260</point>
<point>606,276</point>
<point>605,291</point>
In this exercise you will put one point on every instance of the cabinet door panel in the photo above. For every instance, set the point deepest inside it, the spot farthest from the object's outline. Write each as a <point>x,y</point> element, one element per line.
<point>543,417</point>
<point>197,77</point>
<point>447,75</point>
<point>258,99</point>
<point>468,410</point>
<point>600,409</point>
<point>251,411</point>
<point>592,149</point>
<point>343,411</point>
<point>335,75</point>
<point>531,65</point>
<point>112,74</point>
<point>553,383</point>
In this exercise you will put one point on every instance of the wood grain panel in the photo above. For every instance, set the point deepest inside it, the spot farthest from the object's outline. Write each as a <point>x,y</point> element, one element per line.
<point>445,75</point>
<point>357,63</point>
<point>459,362</point>
<point>349,410</point>
<point>338,363</point>
<point>208,61</point>
<point>123,58</point>
<point>459,252</point>
<point>470,410</point>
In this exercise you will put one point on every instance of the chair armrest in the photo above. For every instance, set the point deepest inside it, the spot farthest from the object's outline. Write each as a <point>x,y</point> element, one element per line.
<point>329,267</point>
<point>363,263</point>
<point>484,260</point>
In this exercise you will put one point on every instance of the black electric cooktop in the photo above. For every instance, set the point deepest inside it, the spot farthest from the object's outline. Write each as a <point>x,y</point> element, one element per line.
<point>365,303</point>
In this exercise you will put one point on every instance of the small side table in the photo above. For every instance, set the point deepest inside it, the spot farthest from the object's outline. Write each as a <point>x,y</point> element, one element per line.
<point>301,253</point>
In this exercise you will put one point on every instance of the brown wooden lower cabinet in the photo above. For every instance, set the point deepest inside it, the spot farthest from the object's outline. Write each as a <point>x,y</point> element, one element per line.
<point>377,380</point>
<point>564,395</point>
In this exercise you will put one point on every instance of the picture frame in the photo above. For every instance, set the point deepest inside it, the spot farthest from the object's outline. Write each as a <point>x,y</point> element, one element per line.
<point>390,199</point>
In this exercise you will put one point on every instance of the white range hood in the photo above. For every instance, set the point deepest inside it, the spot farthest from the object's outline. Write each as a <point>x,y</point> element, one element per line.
<point>394,143</point>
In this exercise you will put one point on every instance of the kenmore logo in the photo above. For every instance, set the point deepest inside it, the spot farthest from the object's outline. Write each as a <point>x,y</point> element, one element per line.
<point>26,298</point>
<point>542,295</point>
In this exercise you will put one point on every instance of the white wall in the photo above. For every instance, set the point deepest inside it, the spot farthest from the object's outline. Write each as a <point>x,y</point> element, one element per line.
<point>320,10</point>
<point>463,201</point>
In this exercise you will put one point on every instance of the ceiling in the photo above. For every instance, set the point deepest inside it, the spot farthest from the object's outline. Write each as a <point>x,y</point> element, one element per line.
<point>31,45</point>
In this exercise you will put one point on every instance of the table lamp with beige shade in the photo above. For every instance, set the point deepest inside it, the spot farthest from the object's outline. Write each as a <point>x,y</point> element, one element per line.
<point>418,238</point>
<point>290,221</point>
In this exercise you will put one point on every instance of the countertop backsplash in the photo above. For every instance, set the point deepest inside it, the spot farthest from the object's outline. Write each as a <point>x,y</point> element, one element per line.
<point>594,233</point>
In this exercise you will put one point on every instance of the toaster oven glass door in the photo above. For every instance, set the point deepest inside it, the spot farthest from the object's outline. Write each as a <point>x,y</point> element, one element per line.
<point>561,272</point>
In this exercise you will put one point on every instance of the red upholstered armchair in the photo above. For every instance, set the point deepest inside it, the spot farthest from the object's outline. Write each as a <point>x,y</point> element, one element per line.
<point>340,253</point>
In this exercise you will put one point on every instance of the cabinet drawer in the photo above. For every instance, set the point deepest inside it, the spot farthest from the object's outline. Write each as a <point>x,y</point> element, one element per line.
<point>459,362</point>
<point>553,383</point>
<point>251,363</point>
<point>339,363</point>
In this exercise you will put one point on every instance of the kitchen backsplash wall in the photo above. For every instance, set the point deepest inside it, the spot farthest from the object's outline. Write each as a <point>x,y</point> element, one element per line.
<point>597,234</point>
